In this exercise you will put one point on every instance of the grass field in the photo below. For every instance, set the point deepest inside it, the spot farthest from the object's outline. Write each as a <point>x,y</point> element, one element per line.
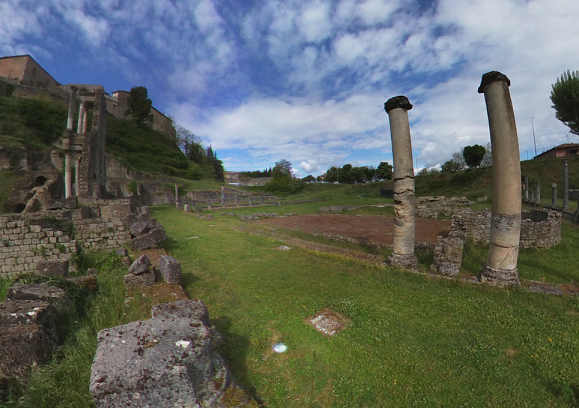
<point>413,340</point>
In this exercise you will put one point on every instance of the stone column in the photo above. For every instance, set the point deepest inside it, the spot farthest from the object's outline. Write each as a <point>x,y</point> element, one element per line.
<point>538,191</point>
<point>209,202</point>
<point>554,195</point>
<point>79,124</point>
<point>69,122</point>
<point>186,208</point>
<point>67,173</point>
<point>404,200</point>
<point>176,196</point>
<point>223,196</point>
<point>526,189</point>
<point>85,121</point>
<point>501,266</point>
<point>565,185</point>
<point>77,177</point>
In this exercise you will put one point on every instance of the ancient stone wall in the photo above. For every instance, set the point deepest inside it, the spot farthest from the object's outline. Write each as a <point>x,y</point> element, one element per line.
<point>27,239</point>
<point>26,71</point>
<point>539,229</point>
<point>431,207</point>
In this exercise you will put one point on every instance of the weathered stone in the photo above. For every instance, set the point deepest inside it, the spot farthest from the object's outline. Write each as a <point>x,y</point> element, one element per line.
<point>59,268</point>
<point>447,255</point>
<point>121,251</point>
<point>149,240</point>
<point>30,312</point>
<point>170,269</point>
<point>139,228</point>
<point>141,265</point>
<point>88,282</point>
<point>33,291</point>
<point>21,348</point>
<point>329,322</point>
<point>166,361</point>
<point>137,281</point>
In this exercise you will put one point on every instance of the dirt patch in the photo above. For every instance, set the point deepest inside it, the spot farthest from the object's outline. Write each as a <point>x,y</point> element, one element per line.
<point>373,228</point>
<point>328,322</point>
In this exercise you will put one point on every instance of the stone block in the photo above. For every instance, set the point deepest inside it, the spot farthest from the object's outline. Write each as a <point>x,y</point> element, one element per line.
<point>21,348</point>
<point>34,291</point>
<point>139,228</point>
<point>163,362</point>
<point>59,268</point>
<point>141,265</point>
<point>137,281</point>
<point>149,240</point>
<point>30,312</point>
<point>170,269</point>
<point>121,252</point>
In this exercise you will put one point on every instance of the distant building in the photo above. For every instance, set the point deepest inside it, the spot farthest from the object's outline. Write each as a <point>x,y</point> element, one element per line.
<point>564,150</point>
<point>24,70</point>
<point>232,176</point>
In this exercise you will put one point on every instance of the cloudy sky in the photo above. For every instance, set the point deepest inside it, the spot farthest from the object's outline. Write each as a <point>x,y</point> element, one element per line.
<point>263,80</point>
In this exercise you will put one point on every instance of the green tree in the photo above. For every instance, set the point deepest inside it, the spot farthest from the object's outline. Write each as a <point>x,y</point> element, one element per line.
<point>186,139</point>
<point>139,105</point>
<point>565,98</point>
<point>473,155</point>
<point>332,174</point>
<point>309,179</point>
<point>487,160</point>
<point>384,171</point>
<point>282,168</point>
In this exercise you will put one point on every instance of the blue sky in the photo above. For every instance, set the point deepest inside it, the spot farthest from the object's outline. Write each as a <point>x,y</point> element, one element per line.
<point>263,80</point>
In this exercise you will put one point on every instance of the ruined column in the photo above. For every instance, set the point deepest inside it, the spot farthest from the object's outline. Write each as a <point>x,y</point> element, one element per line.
<point>526,189</point>
<point>69,122</point>
<point>554,195</point>
<point>501,265</point>
<point>79,124</point>
<point>186,208</point>
<point>538,192</point>
<point>223,196</point>
<point>85,121</point>
<point>67,173</point>
<point>565,185</point>
<point>404,222</point>
<point>176,196</point>
<point>77,176</point>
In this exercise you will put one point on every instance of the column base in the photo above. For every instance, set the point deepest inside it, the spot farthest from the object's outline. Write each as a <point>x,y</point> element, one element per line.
<point>501,277</point>
<point>403,261</point>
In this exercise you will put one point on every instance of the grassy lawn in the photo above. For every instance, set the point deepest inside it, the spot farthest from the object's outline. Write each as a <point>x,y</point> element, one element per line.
<point>413,340</point>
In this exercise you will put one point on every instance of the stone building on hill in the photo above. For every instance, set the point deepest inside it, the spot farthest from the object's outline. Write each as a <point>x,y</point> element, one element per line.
<point>29,79</point>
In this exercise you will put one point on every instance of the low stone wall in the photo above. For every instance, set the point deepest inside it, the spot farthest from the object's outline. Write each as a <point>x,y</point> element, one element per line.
<point>539,229</point>
<point>431,207</point>
<point>27,239</point>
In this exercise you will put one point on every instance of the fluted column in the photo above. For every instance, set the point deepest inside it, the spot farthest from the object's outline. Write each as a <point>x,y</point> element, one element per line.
<point>67,174</point>
<point>501,266</point>
<point>70,121</point>
<point>77,177</point>
<point>404,200</point>
<point>79,124</point>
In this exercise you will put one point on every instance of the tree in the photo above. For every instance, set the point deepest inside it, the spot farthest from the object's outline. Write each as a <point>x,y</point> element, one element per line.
<point>309,179</point>
<point>139,105</point>
<point>487,160</point>
<point>185,139</point>
<point>282,168</point>
<point>384,171</point>
<point>456,163</point>
<point>565,98</point>
<point>473,155</point>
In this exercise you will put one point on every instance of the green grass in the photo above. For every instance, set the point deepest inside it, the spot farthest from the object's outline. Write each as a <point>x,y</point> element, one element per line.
<point>413,341</point>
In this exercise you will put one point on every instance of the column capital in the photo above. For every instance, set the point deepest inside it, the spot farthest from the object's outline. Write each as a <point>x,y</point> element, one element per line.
<point>397,102</point>
<point>491,77</point>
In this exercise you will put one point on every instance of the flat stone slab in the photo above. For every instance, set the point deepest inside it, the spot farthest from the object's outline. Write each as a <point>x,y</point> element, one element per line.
<point>35,291</point>
<point>329,322</point>
<point>167,361</point>
<point>138,281</point>
<point>149,240</point>
<point>59,268</point>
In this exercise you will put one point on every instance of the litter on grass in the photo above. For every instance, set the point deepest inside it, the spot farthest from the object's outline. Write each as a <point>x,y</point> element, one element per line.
<point>279,348</point>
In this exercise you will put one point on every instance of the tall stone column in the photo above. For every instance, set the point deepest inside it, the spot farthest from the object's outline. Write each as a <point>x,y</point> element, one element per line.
<point>554,195</point>
<point>85,121</point>
<point>70,121</point>
<point>67,174</point>
<point>538,191</point>
<point>526,189</point>
<point>404,200</point>
<point>176,196</point>
<point>77,176</point>
<point>501,266</point>
<point>79,124</point>
<point>565,185</point>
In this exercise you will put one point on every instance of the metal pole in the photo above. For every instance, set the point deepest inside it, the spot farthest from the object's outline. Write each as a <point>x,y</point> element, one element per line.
<point>534,140</point>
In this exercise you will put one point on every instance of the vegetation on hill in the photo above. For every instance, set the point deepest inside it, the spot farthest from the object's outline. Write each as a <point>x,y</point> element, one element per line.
<point>34,123</point>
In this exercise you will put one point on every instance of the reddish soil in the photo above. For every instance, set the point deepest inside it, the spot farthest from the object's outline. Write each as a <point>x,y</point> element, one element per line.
<point>374,228</point>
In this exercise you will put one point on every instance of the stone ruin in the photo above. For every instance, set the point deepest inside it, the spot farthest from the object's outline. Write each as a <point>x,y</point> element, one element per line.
<point>169,360</point>
<point>432,207</point>
<point>539,229</point>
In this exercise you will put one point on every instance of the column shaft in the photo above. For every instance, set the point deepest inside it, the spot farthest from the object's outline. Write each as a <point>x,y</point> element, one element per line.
<point>501,266</point>
<point>67,174</point>
<point>77,177</point>
<point>80,118</point>
<point>554,195</point>
<point>565,185</point>
<point>404,200</point>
